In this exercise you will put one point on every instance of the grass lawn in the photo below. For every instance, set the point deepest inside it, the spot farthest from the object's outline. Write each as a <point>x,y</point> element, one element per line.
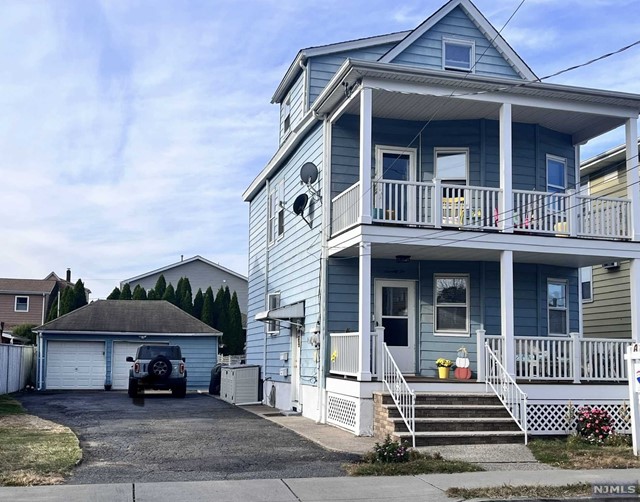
<point>418,463</point>
<point>34,451</point>
<point>574,453</point>
<point>531,492</point>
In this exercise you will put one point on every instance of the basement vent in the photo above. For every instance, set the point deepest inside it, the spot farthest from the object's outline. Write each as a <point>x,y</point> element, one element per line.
<point>342,411</point>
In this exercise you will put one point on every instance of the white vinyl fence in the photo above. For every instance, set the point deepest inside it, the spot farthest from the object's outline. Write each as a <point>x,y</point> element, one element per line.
<point>16,365</point>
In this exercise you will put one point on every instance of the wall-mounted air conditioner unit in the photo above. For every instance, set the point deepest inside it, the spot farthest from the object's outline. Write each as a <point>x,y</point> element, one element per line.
<point>610,265</point>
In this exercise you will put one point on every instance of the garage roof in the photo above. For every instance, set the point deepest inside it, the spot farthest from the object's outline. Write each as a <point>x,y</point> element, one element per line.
<point>129,316</point>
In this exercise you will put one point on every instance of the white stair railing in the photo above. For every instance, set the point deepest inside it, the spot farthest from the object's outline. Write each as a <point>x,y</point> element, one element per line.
<point>506,388</point>
<point>403,396</point>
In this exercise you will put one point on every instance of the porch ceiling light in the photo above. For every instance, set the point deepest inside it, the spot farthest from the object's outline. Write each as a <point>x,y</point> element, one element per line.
<point>403,258</point>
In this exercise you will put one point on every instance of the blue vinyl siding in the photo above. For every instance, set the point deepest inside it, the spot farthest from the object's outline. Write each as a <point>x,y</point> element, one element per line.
<point>200,352</point>
<point>530,290</point>
<point>426,51</point>
<point>323,68</point>
<point>296,98</point>
<point>292,267</point>
<point>531,145</point>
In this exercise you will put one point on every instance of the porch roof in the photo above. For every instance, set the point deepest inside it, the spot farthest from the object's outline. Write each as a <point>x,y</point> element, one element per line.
<point>404,92</point>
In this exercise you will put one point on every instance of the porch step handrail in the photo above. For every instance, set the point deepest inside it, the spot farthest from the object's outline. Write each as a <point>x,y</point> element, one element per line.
<point>505,387</point>
<point>403,396</point>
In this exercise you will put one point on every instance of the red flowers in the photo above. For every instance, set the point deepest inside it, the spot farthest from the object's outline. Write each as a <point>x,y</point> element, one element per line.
<point>594,424</point>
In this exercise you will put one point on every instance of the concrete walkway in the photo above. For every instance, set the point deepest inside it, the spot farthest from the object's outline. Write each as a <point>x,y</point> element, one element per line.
<point>427,488</point>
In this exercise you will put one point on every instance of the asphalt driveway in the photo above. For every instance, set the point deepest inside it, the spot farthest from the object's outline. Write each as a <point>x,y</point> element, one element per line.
<point>161,438</point>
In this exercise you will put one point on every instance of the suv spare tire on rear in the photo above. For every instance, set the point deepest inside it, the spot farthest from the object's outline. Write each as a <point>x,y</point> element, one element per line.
<point>159,367</point>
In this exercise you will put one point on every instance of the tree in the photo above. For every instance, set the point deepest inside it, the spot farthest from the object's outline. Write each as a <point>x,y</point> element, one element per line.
<point>179,291</point>
<point>219,314</point>
<point>198,303</point>
<point>25,331</point>
<point>79,295</point>
<point>115,294</point>
<point>161,286</point>
<point>184,295</point>
<point>139,293</point>
<point>125,294</point>
<point>169,294</point>
<point>53,311</point>
<point>67,300</point>
<point>233,338</point>
<point>208,307</point>
<point>151,295</point>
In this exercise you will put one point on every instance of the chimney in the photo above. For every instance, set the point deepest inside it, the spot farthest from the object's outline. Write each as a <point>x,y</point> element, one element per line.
<point>181,257</point>
<point>68,275</point>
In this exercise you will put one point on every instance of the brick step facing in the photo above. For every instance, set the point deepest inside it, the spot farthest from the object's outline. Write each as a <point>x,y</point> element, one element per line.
<point>450,410</point>
<point>458,425</point>
<point>444,418</point>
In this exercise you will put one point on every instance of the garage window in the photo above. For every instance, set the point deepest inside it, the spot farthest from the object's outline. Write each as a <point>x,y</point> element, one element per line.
<point>22,304</point>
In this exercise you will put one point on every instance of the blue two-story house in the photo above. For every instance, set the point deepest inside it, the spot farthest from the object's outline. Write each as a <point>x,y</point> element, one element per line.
<point>425,199</point>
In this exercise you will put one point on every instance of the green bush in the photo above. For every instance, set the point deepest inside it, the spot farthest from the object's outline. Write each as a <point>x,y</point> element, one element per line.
<point>594,424</point>
<point>391,452</point>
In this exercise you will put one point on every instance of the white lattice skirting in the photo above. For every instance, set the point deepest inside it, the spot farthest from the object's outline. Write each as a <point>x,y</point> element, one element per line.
<point>560,418</point>
<point>343,411</point>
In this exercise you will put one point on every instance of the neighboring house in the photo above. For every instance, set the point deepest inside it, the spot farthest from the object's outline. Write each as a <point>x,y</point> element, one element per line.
<point>437,211</point>
<point>27,301</point>
<point>606,300</point>
<point>87,348</point>
<point>201,273</point>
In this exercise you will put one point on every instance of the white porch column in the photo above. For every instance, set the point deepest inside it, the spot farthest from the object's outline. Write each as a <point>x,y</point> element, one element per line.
<point>366,101</point>
<point>506,177</point>
<point>506,311</point>
<point>364,312</point>
<point>634,277</point>
<point>633,177</point>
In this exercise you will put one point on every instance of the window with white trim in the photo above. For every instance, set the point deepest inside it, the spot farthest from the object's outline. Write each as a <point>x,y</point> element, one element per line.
<point>275,228</point>
<point>451,165</point>
<point>273,302</point>
<point>458,54</point>
<point>22,304</point>
<point>451,304</point>
<point>586,283</point>
<point>286,115</point>
<point>556,174</point>
<point>557,307</point>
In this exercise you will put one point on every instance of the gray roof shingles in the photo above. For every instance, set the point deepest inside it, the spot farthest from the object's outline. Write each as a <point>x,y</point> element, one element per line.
<point>36,286</point>
<point>129,316</point>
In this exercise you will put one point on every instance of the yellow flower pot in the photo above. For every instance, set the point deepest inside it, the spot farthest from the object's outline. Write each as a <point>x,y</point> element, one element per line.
<point>443,372</point>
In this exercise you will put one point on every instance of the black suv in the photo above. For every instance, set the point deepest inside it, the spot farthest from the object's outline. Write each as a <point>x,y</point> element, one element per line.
<point>158,367</point>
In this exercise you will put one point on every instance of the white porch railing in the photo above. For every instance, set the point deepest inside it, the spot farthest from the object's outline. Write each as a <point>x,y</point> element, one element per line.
<point>345,209</point>
<point>403,396</point>
<point>344,353</point>
<point>604,217</point>
<point>506,388</point>
<point>557,358</point>
<point>432,204</point>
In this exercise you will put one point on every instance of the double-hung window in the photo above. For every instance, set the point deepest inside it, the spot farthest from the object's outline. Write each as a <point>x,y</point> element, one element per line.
<point>275,228</point>
<point>586,281</point>
<point>22,304</point>
<point>557,307</point>
<point>273,302</point>
<point>451,304</point>
<point>458,54</point>
<point>452,165</point>
<point>556,174</point>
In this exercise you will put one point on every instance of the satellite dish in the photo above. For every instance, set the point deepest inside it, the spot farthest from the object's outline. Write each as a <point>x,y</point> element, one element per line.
<point>309,173</point>
<point>300,203</point>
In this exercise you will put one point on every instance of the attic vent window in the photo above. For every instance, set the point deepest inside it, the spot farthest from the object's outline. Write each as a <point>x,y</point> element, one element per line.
<point>286,114</point>
<point>458,54</point>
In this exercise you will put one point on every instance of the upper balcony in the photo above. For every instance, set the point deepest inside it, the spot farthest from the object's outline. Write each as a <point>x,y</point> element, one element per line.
<point>438,205</point>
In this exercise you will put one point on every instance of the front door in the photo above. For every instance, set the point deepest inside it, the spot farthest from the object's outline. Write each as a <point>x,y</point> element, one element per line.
<point>395,191</point>
<point>395,309</point>
<point>295,368</point>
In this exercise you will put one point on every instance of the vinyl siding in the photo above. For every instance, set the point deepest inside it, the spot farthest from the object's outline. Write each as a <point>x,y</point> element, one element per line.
<point>531,145</point>
<point>529,301</point>
<point>323,68</point>
<point>426,51</point>
<point>12,318</point>
<point>296,99</point>
<point>292,267</point>
<point>201,275</point>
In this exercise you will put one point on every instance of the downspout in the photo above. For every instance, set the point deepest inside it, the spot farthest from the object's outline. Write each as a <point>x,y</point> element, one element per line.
<point>578,189</point>
<point>266,292</point>
<point>44,295</point>
<point>40,348</point>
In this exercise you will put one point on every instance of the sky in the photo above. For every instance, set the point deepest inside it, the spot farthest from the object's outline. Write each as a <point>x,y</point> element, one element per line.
<point>129,129</point>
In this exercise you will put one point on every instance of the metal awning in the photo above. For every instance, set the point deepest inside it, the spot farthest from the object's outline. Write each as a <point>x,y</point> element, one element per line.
<point>284,313</point>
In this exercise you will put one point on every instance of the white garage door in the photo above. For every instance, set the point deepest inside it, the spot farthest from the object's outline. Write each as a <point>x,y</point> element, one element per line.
<point>119,365</point>
<point>75,365</point>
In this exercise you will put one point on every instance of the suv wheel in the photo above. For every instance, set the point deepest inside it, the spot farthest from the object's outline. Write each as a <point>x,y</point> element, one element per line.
<point>160,367</point>
<point>133,387</point>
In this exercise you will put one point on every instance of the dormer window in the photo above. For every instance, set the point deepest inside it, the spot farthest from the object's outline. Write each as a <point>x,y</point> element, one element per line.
<point>458,54</point>
<point>286,115</point>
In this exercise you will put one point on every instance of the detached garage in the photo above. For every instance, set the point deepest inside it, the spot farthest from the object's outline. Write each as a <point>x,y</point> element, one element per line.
<point>88,348</point>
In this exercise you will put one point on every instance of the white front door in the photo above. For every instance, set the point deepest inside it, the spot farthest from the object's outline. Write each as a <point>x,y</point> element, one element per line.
<point>295,368</point>
<point>395,309</point>
<point>394,197</point>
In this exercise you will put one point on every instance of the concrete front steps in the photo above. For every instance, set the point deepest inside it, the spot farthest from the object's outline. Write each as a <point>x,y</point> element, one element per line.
<point>444,418</point>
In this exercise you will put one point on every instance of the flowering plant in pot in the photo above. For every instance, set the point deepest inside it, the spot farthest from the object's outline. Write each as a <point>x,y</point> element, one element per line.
<point>444,365</point>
